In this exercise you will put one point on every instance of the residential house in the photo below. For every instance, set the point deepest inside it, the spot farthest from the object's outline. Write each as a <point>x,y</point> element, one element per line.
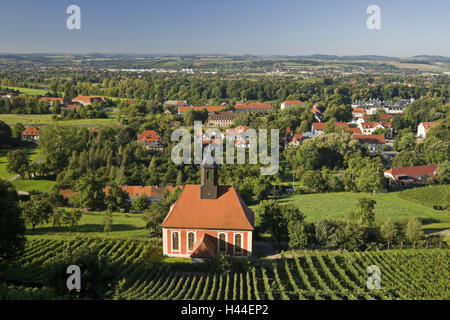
<point>369,127</point>
<point>423,127</point>
<point>30,134</point>
<point>358,112</point>
<point>291,103</point>
<point>52,100</point>
<point>151,140</point>
<point>175,103</point>
<point>374,143</point>
<point>391,107</point>
<point>207,220</point>
<point>411,175</point>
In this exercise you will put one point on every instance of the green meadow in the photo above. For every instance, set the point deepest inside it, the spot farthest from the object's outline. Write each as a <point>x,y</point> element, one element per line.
<point>46,119</point>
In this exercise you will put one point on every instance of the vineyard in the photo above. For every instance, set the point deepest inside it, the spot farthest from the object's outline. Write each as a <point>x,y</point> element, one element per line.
<point>405,274</point>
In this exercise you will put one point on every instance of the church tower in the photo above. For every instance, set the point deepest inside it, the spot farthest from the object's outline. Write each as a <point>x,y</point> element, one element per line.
<point>209,181</point>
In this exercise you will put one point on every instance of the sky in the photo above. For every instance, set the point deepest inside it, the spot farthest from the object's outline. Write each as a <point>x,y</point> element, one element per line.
<point>256,27</point>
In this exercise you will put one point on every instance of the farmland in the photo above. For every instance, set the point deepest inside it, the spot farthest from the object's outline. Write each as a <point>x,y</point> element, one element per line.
<point>389,206</point>
<point>407,274</point>
<point>46,119</point>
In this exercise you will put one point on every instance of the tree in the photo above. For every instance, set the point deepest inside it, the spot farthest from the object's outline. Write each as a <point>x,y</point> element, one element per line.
<point>107,221</point>
<point>36,211</point>
<point>413,230</point>
<point>300,233</point>
<point>12,226</point>
<point>141,203</point>
<point>272,219</point>
<point>18,162</point>
<point>443,172</point>
<point>90,192</point>
<point>364,214</point>
<point>5,134</point>
<point>17,130</point>
<point>388,231</point>
<point>69,217</point>
<point>324,231</point>
<point>117,199</point>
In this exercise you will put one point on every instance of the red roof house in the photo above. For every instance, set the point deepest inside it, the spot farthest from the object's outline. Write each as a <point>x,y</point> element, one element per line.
<point>208,219</point>
<point>253,107</point>
<point>30,134</point>
<point>411,174</point>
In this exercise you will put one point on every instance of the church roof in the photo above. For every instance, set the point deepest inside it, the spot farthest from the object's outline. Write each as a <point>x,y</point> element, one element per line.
<point>227,212</point>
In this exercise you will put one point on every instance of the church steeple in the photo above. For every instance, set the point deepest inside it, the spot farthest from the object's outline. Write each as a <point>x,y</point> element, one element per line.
<point>209,181</point>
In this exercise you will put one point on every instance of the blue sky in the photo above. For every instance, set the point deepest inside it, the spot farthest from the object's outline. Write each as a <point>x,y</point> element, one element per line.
<point>265,27</point>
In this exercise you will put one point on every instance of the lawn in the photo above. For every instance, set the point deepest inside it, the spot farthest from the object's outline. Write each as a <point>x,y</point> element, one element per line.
<point>91,225</point>
<point>29,91</point>
<point>45,119</point>
<point>336,206</point>
<point>34,154</point>
<point>31,184</point>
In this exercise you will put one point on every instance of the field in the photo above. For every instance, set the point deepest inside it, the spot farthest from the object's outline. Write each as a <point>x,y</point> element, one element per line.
<point>30,91</point>
<point>389,206</point>
<point>34,154</point>
<point>406,274</point>
<point>31,184</point>
<point>91,224</point>
<point>45,119</point>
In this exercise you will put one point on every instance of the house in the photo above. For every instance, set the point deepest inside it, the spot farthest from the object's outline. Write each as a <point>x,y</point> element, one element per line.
<point>391,107</point>
<point>319,127</point>
<point>411,175</point>
<point>374,142</point>
<point>253,107</point>
<point>175,103</point>
<point>86,100</point>
<point>30,134</point>
<point>358,112</point>
<point>291,103</point>
<point>221,119</point>
<point>423,127</point>
<point>318,112</point>
<point>52,100</point>
<point>208,219</point>
<point>151,140</point>
<point>370,127</point>
<point>182,110</point>
<point>240,134</point>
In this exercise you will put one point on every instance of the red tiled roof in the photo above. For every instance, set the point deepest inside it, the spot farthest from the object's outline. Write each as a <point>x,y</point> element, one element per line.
<point>227,212</point>
<point>414,172</point>
<point>66,193</point>
<point>149,136</point>
<point>32,131</point>
<point>428,125</point>
<point>87,99</point>
<point>149,191</point>
<point>200,108</point>
<point>205,247</point>
<point>370,138</point>
<point>358,110</point>
<point>374,124</point>
<point>383,117</point>
<point>254,105</point>
<point>293,102</point>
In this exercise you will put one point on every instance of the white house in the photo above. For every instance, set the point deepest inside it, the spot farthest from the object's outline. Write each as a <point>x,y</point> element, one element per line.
<point>291,103</point>
<point>423,128</point>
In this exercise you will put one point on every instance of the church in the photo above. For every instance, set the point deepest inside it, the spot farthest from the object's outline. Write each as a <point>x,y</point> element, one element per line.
<point>208,219</point>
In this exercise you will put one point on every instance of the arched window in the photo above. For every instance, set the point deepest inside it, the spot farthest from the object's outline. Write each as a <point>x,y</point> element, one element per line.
<point>237,242</point>
<point>191,240</point>
<point>222,242</point>
<point>175,240</point>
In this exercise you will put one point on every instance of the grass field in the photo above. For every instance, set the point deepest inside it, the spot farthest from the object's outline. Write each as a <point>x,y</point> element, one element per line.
<point>336,206</point>
<point>91,224</point>
<point>29,91</point>
<point>34,154</point>
<point>31,184</point>
<point>45,119</point>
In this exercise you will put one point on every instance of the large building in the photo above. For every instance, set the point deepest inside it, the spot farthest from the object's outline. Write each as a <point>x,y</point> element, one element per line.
<point>208,219</point>
<point>392,107</point>
<point>253,107</point>
<point>151,140</point>
<point>221,119</point>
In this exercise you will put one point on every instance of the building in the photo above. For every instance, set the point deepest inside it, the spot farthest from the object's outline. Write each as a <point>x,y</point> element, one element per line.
<point>392,107</point>
<point>369,127</point>
<point>240,134</point>
<point>411,175</point>
<point>52,100</point>
<point>253,107</point>
<point>423,127</point>
<point>151,140</point>
<point>30,134</point>
<point>208,219</point>
<point>358,112</point>
<point>182,110</point>
<point>153,193</point>
<point>175,103</point>
<point>374,142</point>
<point>221,119</point>
<point>291,103</point>
<point>319,128</point>
<point>86,100</point>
